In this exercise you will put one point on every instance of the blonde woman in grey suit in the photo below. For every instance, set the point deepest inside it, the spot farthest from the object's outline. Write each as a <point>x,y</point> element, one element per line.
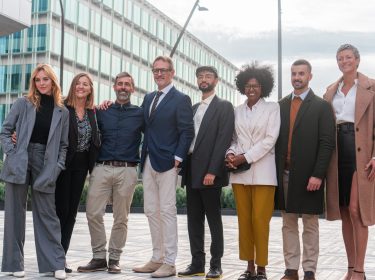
<point>40,122</point>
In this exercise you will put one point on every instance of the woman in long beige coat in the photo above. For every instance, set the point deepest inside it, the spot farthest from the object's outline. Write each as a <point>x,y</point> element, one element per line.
<point>351,174</point>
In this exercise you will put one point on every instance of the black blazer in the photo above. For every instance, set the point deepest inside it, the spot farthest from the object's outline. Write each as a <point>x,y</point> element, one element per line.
<point>73,138</point>
<point>313,141</point>
<point>213,140</point>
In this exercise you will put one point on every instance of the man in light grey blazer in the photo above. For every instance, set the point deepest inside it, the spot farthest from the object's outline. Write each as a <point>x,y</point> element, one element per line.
<point>204,174</point>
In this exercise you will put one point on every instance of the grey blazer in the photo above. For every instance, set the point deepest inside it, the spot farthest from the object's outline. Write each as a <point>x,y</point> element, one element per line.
<point>21,119</point>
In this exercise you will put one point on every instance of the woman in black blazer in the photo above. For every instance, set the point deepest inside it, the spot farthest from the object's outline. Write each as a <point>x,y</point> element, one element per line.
<point>84,143</point>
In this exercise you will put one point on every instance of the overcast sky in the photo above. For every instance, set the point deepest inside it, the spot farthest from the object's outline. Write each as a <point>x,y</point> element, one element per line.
<point>246,30</point>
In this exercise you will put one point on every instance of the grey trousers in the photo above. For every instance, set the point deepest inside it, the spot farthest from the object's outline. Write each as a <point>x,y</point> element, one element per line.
<point>50,253</point>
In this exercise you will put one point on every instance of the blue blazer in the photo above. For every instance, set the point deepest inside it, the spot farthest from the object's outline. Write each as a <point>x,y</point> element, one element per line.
<point>169,131</point>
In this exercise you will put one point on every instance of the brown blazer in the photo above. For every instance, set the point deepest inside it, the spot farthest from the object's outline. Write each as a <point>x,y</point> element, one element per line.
<point>364,121</point>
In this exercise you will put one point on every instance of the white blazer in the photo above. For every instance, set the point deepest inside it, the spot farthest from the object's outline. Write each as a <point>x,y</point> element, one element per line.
<point>256,139</point>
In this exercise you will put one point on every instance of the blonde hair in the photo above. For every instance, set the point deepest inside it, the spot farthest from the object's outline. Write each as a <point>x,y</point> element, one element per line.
<point>34,95</point>
<point>71,99</point>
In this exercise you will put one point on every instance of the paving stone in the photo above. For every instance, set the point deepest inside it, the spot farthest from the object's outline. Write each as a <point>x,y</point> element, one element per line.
<point>332,260</point>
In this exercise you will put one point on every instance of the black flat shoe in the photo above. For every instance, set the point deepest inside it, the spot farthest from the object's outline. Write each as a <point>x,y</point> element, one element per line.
<point>247,275</point>
<point>68,270</point>
<point>261,276</point>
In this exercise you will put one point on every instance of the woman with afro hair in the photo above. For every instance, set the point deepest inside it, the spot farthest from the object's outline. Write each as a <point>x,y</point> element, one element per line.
<point>257,125</point>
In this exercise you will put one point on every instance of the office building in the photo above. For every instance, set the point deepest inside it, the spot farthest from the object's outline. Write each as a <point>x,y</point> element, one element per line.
<point>105,37</point>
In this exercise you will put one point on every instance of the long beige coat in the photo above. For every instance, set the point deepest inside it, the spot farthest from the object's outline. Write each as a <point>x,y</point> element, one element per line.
<point>364,121</point>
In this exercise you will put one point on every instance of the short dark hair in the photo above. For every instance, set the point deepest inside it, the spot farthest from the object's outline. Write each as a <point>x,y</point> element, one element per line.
<point>207,68</point>
<point>262,73</point>
<point>302,62</point>
<point>122,75</point>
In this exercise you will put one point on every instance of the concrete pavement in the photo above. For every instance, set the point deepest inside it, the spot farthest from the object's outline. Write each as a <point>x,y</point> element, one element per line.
<point>332,261</point>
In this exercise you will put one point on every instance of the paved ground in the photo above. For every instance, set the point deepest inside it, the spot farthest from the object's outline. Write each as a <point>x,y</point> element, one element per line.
<point>332,262</point>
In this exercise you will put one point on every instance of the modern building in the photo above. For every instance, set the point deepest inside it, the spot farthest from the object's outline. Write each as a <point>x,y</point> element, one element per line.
<point>105,37</point>
<point>14,15</point>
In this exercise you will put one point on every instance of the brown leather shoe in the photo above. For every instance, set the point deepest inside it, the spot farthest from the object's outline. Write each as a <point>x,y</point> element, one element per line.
<point>309,275</point>
<point>94,265</point>
<point>148,267</point>
<point>114,266</point>
<point>290,274</point>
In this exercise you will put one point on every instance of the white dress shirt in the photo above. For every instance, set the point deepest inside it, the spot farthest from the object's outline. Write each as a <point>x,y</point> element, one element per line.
<point>344,105</point>
<point>255,135</point>
<point>165,91</point>
<point>198,117</point>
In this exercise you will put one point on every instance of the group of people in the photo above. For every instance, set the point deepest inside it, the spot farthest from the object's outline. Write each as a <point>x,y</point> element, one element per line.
<point>302,155</point>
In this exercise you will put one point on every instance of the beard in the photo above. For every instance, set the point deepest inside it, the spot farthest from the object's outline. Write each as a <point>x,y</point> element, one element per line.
<point>208,88</point>
<point>123,96</point>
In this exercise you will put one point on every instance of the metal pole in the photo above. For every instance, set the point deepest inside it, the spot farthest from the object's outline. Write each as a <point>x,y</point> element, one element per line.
<point>279,55</point>
<point>183,29</point>
<point>62,45</point>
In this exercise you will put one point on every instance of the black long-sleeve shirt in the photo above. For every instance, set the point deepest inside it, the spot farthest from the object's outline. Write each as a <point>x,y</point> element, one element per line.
<point>43,120</point>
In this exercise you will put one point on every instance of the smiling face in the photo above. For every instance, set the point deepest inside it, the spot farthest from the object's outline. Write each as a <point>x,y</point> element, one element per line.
<point>347,61</point>
<point>83,88</point>
<point>163,73</point>
<point>206,81</point>
<point>253,91</point>
<point>123,88</point>
<point>43,83</point>
<point>300,78</point>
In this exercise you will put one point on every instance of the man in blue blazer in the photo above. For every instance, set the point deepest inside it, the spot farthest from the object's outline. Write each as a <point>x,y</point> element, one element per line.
<point>169,130</point>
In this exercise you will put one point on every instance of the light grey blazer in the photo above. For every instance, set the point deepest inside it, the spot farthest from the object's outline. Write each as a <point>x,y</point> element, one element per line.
<point>21,119</point>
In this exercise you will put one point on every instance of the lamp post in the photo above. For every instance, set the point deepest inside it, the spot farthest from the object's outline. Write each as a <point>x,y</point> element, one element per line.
<point>279,54</point>
<point>186,24</point>
<point>62,45</point>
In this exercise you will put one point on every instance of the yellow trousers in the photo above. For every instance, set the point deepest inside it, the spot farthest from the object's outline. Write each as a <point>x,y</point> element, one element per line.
<point>254,210</point>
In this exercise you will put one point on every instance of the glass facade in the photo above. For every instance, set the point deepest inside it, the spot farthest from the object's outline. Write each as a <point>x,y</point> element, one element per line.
<point>105,37</point>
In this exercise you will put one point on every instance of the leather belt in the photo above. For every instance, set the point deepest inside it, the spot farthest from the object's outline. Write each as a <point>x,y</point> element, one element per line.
<point>117,163</point>
<point>346,126</point>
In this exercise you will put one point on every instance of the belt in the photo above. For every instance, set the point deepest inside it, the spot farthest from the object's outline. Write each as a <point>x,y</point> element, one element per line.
<point>117,163</point>
<point>346,126</point>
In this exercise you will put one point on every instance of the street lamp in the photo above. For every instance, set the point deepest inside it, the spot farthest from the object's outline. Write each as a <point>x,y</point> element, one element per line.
<point>279,56</point>
<point>186,23</point>
<point>62,45</point>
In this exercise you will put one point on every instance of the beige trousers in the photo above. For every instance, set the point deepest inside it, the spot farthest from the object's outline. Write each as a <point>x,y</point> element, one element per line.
<point>116,184</point>
<point>291,241</point>
<point>159,190</point>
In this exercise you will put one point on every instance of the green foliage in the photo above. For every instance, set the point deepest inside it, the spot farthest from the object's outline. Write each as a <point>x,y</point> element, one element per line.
<point>227,198</point>
<point>180,198</point>
<point>138,196</point>
<point>2,191</point>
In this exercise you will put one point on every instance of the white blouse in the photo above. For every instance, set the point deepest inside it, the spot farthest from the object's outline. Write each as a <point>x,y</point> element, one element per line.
<point>344,105</point>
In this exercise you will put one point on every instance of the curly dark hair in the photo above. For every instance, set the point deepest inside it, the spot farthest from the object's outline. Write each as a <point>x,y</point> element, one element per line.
<point>262,73</point>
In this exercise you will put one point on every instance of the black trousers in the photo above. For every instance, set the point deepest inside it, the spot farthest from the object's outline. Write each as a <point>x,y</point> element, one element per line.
<point>68,192</point>
<point>201,203</point>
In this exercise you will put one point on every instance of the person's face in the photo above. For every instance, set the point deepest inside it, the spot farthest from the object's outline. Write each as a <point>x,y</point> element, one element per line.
<point>206,81</point>
<point>253,91</point>
<point>347,62</point>
<point>123,88</point>
<point>163,74</point>
<point>83,88</point>
<point>300,77</point>
<point>43,83</point>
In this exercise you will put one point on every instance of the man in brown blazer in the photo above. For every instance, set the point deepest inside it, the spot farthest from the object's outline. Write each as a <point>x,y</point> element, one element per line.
<point>303,152</point>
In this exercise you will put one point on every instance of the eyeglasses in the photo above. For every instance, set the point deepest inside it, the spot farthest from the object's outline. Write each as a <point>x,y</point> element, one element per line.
<point>254,87</point>
<point>161,71</point>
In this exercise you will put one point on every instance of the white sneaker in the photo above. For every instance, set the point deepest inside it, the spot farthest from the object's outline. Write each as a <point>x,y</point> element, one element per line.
<point>60,274</point>
<point>19,274</point>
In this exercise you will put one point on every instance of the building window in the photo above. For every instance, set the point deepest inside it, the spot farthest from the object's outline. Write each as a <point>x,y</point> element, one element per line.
<point>16,78</point>
<point>3,78</point>
<point>83,16</point>
<point>28,69</point>
<point>38,42</point>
